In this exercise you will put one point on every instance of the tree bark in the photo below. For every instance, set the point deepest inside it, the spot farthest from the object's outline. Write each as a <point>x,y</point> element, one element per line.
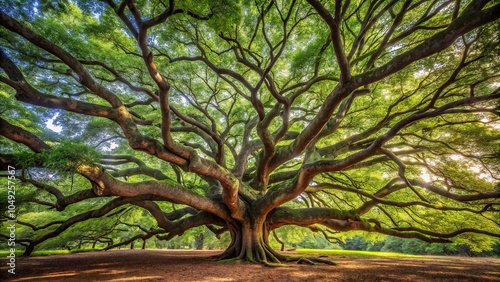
<point>249,242</point>
<point>199,241</point>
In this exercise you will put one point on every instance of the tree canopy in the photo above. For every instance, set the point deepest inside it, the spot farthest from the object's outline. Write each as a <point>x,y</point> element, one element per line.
<point>151,117</point>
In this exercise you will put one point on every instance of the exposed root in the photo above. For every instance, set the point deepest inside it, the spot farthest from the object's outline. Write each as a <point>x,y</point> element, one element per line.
<point>287,258</point>
<point>263,262</point>
<point>315,261</point>
<point>254,248</point>
<point>273,264</point>
<point>230,260</point>
<point>227,254</point>
<point>323,260</point>
<point>306,261</point>
<point>272,258</point>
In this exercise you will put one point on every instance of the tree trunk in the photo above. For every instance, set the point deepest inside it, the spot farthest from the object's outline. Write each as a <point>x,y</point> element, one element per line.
<point>29,249</point>
<point>249,242</point>
<point>199,241</point>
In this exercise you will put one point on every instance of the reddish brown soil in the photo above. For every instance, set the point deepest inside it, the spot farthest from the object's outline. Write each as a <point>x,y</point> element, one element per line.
<point>191,266</point>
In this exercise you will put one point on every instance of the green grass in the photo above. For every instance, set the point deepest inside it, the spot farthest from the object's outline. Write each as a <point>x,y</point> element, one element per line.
<point>4,254</point>
<point>356,253</point>
<point>49,253</point>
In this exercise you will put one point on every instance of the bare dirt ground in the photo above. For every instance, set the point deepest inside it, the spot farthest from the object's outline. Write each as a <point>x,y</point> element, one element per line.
<point>192,266</point>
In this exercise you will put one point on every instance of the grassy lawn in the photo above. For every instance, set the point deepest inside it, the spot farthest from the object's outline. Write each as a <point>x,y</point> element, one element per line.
<point>356,253</point>
<point>4,254</point>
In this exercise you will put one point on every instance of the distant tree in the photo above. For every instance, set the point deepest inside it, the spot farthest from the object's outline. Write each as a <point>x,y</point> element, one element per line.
<point>495,250</point>
<point>440,249</point>
<point>393,245</point>
<point>376,246</point>
<point>355,243</point>
<point>413,246</point>
<point>246,116</point>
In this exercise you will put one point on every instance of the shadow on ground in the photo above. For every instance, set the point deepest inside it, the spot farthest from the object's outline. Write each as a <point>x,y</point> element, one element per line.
<point>158,265</point>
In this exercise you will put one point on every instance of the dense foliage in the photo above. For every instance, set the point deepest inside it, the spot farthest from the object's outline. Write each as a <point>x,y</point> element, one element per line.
<point>241,120</point>
<point>416,247</point>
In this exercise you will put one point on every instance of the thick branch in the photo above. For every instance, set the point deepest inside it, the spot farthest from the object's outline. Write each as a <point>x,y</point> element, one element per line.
<point>471,18</point>
<point>20,135</point>
<point>108,185</point>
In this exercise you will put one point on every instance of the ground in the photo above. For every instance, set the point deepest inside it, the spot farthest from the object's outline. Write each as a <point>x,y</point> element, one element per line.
<point>161,265</point>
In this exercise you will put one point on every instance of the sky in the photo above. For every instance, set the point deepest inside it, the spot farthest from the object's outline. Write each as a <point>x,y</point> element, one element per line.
<point>50,124</point>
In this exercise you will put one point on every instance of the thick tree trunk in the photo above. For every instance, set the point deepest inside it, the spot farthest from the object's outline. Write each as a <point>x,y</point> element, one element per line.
<point>250,243</point>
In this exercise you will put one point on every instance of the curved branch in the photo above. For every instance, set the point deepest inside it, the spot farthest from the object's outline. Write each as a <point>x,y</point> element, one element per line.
<point>108,207</point>
<point>20,135</point>
<point>472,17</point>
<point>305,217</point>
<point>84,77</point>
<point>334,25</point>
<point>446,235</point>
<point>107,185</point>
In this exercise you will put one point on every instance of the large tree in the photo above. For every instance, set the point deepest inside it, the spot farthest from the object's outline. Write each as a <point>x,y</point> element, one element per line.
<point>246,116</point>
